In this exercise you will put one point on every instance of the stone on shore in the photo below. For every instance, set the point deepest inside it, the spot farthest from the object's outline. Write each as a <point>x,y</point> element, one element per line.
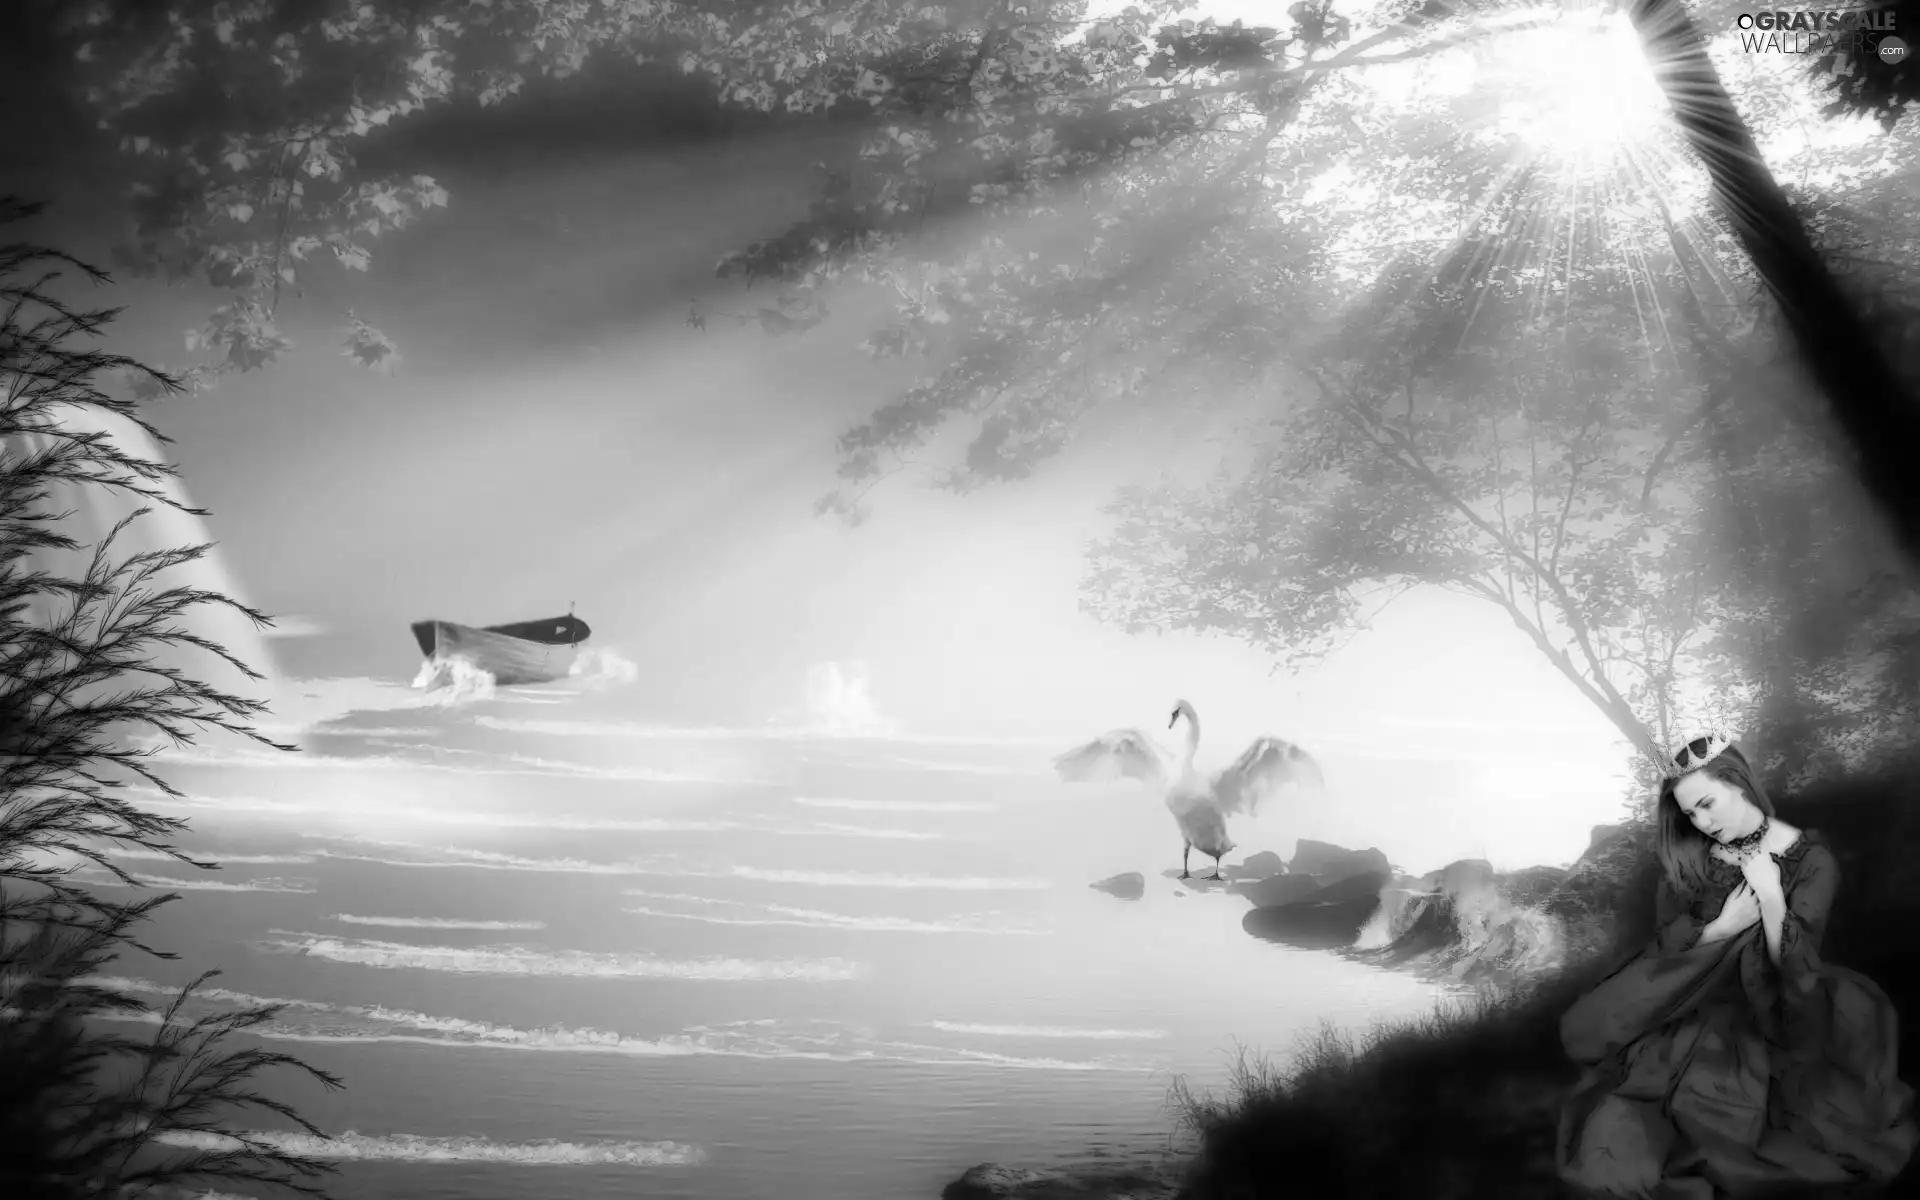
<point>991,1181</point>
<point>1261,864</point>
<point>1129,885</point>
<point>1334,863</point>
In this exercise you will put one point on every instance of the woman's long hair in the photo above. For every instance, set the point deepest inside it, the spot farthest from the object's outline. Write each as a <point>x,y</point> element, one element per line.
<point>1683,848</point>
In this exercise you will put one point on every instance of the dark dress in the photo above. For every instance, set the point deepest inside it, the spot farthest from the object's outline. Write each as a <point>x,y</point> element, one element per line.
<point>1712,1073</point>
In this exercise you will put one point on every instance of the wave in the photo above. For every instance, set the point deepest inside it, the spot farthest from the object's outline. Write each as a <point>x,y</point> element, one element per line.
<point>603,667</point>
<point>968,883</point>
<point>409,1147</point>
<point>963,768</point>
<point>991,1058</point>
<point>436,923</point>
<point>299,705</point>
<point>144,854</point>
<point>253,804</point>
<point>453,856</point>
<point>564,964</point>
<point>839,703</point>
<point>844,1042</point>
<point>897,805</point>
<point>490,860</point>
<point>523,764</point>
<point>781,914</point>
<point>617,729</point>
<point>766,1038</point>
<point>1046,1031</point>
<point>1464,930</point>
<point>863,831</point>
<point>453,682</point>
<point>304,887</point>
<point>549,766</point>
<point>643,731</point>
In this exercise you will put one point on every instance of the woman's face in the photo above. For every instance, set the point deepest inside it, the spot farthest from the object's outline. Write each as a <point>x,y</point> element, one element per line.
<point>1717,808</point>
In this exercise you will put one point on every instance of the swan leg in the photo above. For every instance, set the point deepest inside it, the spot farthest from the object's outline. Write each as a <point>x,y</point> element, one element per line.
<point>1216,867</point>
<point>1184,872</point>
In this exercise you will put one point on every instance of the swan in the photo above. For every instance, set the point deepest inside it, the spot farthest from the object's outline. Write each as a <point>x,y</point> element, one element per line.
<point>1199,805</point>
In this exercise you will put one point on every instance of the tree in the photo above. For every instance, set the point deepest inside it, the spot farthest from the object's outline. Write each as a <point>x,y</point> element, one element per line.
<point>1863,82</point>
<point>1192,564</point>
<point>244,127</point>
<point>1071,214</point>
<point>245,119</point>
<point>1876,408</point>
<point>1483,431</point>
<point>83,1113</point>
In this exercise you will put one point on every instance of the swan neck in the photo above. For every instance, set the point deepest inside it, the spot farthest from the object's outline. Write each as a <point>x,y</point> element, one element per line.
<point>1193,735</point>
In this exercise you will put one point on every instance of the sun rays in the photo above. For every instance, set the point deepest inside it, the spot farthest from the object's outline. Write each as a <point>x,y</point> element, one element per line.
<point>1577,91</point>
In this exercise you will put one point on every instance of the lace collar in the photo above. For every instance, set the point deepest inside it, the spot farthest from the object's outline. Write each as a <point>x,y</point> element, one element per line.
<point>1791,855</point>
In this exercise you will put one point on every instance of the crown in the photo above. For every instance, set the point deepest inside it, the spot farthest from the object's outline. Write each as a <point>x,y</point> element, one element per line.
<point>1697,753</point>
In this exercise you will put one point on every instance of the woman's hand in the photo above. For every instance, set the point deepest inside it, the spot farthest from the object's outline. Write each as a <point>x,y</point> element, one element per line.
<point>1762,873</point>
<point>1740,912</point>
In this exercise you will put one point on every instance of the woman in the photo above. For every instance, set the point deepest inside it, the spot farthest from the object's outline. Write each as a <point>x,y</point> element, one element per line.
<point>1726,1059</point>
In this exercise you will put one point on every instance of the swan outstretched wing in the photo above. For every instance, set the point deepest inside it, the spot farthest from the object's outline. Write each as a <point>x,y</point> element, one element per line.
<point>1265,767</point>
<point>1122,754</point>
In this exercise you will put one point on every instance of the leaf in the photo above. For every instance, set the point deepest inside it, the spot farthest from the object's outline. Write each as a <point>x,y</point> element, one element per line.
<point>369,347</point>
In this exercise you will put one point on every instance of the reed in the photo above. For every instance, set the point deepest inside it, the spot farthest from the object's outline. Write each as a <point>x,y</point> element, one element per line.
<point>102,1094</point>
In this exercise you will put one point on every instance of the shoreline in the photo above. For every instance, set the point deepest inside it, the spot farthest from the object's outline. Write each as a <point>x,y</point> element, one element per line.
<point>1477,932</point>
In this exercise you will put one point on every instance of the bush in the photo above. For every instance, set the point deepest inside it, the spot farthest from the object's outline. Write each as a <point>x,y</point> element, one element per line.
<point>1458,1104</point>
<point>1464,1104</point>
<point>84,1111</point>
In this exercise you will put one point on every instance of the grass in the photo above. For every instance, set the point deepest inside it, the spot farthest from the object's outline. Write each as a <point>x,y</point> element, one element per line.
<point>101,1094</point>
<point>1460,1102</point>
<point>1464,1102</point>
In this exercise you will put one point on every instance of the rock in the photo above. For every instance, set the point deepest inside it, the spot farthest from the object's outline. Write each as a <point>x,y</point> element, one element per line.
<point>1128,886</point>
<point>1336,862</point>
<point>1396,911</point>
<point>1270,883</point>
<point>1326,918</point>
<point>1423,927</point>
<point>1459,877</point>
<point>991,1181</point>
<point>1604,902</point>
<point>1277,890</point>
<point>1198,880</point>
<point>1601,832</point>
<point>1468,922</point>
<point>1530,885</point>
<point>1261,864</point>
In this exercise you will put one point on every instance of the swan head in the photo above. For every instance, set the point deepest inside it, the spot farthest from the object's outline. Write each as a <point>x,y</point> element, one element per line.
<point>1180,709</point>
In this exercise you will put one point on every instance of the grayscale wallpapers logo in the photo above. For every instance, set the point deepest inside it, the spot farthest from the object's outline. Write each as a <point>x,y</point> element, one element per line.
<point>1805,31</point>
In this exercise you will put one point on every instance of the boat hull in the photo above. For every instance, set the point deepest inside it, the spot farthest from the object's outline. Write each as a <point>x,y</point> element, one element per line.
<point>510,660</point>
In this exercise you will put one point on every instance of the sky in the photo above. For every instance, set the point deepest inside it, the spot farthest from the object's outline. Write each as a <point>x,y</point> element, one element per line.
<point>557,436</point>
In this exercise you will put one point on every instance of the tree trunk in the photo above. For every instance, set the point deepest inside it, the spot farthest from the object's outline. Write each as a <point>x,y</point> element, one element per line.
<point>1873,407</point>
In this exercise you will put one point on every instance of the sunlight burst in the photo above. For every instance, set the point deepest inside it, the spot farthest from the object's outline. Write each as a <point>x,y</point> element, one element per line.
<point>1577,90</point>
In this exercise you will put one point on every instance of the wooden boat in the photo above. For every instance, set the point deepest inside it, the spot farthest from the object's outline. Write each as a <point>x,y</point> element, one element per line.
<point>520,652</point>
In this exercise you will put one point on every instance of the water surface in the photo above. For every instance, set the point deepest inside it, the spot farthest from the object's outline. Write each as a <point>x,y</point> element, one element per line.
<point>560,955</point>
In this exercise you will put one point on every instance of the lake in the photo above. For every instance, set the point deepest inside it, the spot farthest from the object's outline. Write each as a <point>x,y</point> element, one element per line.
<point>552,952</point>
